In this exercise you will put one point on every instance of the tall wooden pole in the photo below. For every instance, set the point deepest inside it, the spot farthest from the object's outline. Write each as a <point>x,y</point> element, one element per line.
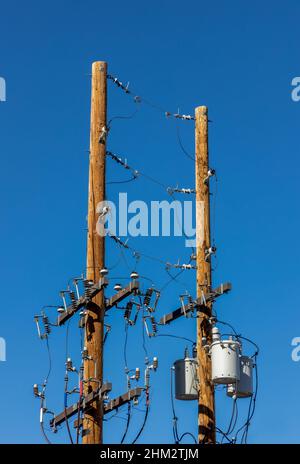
<point>206,413</point>
<point>92,423</point>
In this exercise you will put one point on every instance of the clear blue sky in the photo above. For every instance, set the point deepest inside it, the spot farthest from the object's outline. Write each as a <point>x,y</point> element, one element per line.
<point>236,57</point>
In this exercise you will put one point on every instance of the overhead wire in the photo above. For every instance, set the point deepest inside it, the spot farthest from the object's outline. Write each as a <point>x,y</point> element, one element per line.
<point>43,397</point>
<point>233,420</point>
<point>177,438</point>
<point>144,421</point>
<point>139,99</point>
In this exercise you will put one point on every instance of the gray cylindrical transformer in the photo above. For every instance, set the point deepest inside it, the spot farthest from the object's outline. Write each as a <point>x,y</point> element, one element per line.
<point>225,361</point>
<point>186,381</point>
<point>244,387</point>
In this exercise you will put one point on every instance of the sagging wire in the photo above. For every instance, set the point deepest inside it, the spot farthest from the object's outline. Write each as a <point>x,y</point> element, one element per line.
<point>122,181</point>
<point>42,394</point>
<point>233,420</point>
<point>251,409</point>
<point>139,254</point>
<point>234,416</point>
<point>143,330</point>
<point>137,173</point>
<point>192,158</point>
<point>130,116</point>
<point>177,116</point>
<point>139,99</point>
<point>145,417</point>
<point>177,337</point>
<point>126,372</point>
<point>127,423</point>
<point>215,193</point>
<point>66,406</point>
<point>218,430</point>
<point>123,163</point>
<point>177,438</point>
<point>244,429</point>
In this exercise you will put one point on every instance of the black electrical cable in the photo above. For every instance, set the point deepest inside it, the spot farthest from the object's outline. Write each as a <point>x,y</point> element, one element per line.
<point>143,425</point>
<point>228,325</point>
<point>175,278</point>
<point>130,116</point>
<point>143,335</point>
<point>177,439</point>
<point>139,99</point>
<point>223,434</point>
<point>122,181</point>
<point>175,418</point>
<point>44,390</point>
<point>187,434</point>
<point>213,228</point>
<point>250,416</point>
<point>50,360</point>
<point>252,407</point>
<point>125,345</point>
<point>65,410</point>
<point>176,336</point>
<point>67,338</point>
<point>252,343</point>
<point>127,423</point>
<point>44,433</point>
<point>78,421</point>
<point>152,257</point>
<point>233,420</point>
<point>181,144</point>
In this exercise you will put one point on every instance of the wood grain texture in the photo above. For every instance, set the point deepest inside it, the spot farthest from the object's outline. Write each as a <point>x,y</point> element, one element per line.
<point>206,407</point>
<point>92,424</point>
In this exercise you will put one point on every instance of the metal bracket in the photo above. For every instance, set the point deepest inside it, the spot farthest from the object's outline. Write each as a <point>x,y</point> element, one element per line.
<point>93,396</point>
<point>200,303</point>
<point>133,287</point>
<point>82,302</point>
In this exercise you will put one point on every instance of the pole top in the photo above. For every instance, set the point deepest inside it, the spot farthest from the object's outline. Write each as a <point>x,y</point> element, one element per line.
<point>201,110</point>
<point>99,62</point>
<point>99,65</point>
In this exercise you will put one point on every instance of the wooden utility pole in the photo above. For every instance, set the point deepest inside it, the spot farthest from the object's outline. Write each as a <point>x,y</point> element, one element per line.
<point>206,413</point>
<point>93,368</point>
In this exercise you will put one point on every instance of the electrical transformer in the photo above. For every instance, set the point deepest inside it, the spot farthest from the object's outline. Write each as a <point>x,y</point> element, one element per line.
<point>186,380</point>
<point>225,359</point>
<point>244,387</point>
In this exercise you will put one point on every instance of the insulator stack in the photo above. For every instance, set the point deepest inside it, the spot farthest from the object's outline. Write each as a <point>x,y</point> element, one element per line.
<point>154,324</point>
<point>69,364</point>
<point>73,300</point>
<point>148,296</point>
<point>87,288</point>
<point>46,325</point>
<point>190,304</point>
<point>85,353</point>
<point>128,310</point>
<point>35,389</point>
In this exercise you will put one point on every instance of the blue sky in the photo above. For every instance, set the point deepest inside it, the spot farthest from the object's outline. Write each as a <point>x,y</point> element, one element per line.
<point>238,59</point>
